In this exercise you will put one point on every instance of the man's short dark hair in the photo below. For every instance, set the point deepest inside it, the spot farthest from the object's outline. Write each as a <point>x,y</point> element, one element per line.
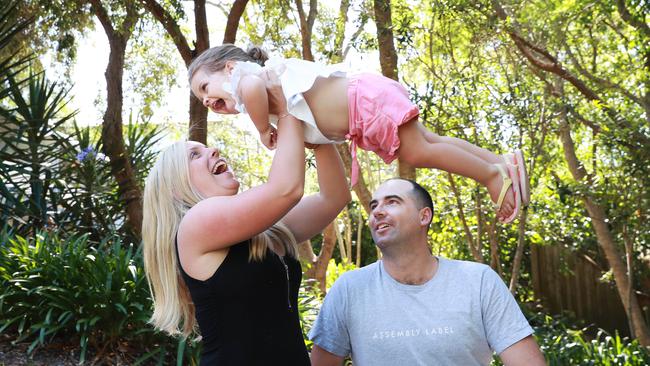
<point>420,195</point>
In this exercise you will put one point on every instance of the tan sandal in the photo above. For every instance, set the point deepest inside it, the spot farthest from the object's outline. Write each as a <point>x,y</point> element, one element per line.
<point>510,179</point>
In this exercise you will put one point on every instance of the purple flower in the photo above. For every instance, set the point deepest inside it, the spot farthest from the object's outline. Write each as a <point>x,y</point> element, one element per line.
<point>86,154</point>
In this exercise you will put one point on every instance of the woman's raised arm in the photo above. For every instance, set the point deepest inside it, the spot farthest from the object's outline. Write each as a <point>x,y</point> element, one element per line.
<point>316,211</point>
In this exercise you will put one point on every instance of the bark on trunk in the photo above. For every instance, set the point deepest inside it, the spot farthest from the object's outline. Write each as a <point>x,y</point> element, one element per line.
<point>198,125</point>
<point>306,26</point>
<point>388,62</point>
<point>318,269</point>
<point>493,233</point>
<point>306,252</point>
<point>387,54</point>
<point>605,239</point>
<point>112,138</point>
<point>474,245</point>
<point>519,252</point>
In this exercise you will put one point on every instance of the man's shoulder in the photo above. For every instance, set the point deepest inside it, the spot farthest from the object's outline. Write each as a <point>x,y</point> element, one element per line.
<point>359,275</point>
<point>465,268</point>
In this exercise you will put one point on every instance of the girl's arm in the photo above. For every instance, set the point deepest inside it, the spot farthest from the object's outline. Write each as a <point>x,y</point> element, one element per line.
<point>316,211</point>
<point>218,222</point>
<point>255,98</point>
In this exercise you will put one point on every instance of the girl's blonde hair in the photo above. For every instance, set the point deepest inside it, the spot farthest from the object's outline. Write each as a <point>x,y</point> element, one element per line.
<point>214,59</point>
<point>168,195</point>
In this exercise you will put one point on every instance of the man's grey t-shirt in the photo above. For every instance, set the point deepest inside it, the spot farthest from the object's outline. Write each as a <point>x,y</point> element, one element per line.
<point>459,317</point>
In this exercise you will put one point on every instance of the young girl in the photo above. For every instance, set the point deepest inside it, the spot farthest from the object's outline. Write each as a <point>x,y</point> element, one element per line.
<point>372,111</point>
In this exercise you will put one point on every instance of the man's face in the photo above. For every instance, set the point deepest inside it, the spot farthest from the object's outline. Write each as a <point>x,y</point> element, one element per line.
<point>394,216</point>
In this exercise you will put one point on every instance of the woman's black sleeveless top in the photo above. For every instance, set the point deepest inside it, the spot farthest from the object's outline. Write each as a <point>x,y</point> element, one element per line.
<point>248,311</point>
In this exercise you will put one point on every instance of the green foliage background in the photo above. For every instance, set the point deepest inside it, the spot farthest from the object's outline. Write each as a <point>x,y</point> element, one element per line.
<point>64,237</point>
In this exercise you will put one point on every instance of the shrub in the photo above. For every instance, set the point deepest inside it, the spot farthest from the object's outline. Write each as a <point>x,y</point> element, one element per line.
<point>65,287</point>
<point>564,344</point>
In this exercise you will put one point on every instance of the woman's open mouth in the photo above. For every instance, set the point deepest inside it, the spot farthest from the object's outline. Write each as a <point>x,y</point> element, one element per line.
<point>219,167</point>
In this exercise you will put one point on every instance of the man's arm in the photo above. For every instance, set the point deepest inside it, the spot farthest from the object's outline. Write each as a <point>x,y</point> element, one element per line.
<point>523,353</point>
<point>320,357</point>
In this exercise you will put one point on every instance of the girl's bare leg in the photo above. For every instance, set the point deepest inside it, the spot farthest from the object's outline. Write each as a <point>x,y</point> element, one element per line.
<point>454,156</point>
<point>482,153</point>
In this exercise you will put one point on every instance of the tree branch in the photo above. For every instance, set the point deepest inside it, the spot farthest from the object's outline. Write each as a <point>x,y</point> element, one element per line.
<point>102,15</point>
<point>132,17</point>
<point>171,26</point>
<point>552,65</point>
<point>632,20</point>
<point>236,11</point>
<point>313,10</point>
<point>591,124</point>
<point>603,82</point>
<point>339,36</point>
<point>354,37</point>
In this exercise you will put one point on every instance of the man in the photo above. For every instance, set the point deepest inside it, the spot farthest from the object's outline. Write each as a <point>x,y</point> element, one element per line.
<point>412,308</point>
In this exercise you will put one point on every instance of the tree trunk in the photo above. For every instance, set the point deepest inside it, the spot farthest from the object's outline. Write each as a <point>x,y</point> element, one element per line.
<point>306,252</point>
<point>388,62</point>
<point>306,26</point>
<point>605,239</point>
<point>112,138</point>
<point>318,269</point>
<point>493,234</point>
<point>519,252</point>
<point>473,245</point>
<point>387,54</point>
<point>198,125</point>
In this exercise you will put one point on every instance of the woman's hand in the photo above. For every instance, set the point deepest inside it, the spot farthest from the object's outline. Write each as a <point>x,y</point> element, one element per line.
<point>277,101</point>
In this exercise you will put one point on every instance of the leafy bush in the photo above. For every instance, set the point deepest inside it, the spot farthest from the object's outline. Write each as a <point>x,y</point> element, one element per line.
<point>65,287</point>
<point>31,150</point>
<point>309,303</point>
<point>92,203</point>
<point>564,344</point>
<point>335,270</point>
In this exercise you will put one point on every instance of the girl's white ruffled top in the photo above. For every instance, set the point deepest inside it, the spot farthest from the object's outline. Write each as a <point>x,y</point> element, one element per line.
<point>296,76</point>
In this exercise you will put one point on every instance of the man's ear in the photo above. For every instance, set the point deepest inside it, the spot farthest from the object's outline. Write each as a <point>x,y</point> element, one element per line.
<point>425,216</point>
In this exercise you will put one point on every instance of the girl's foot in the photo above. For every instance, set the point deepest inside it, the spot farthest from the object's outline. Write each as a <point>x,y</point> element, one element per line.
<point>504,192</point>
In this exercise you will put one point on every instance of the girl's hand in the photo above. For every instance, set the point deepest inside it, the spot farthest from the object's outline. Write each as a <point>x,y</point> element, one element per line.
<point>277,101</point>
<point>269,137</point>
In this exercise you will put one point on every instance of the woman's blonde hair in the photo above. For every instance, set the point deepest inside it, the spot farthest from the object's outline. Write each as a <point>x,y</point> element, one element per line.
<point>168,195</point>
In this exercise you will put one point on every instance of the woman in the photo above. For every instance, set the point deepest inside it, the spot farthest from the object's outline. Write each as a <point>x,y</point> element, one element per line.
<point>227,260</point>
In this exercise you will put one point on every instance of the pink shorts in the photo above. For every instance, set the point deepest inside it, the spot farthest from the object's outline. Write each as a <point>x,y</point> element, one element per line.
<point>377,107</point>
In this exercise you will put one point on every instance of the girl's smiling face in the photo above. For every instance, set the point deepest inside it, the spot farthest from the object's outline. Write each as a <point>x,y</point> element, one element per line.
<point>207,86</point>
